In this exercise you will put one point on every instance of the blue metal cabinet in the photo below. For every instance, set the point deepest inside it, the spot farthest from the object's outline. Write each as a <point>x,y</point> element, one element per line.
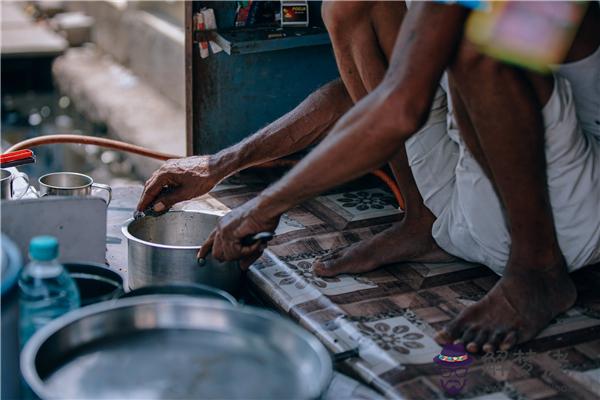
<point>230,96</point>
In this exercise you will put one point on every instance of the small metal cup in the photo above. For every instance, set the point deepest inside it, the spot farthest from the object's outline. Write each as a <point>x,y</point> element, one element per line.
<point>70,184</point>
<point>6,184</point>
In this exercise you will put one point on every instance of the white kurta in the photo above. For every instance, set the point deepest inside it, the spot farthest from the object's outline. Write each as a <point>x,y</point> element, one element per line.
<point>470,221</point>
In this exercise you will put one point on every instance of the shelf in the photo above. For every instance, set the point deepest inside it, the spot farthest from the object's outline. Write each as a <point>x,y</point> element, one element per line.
<point>257,40</point>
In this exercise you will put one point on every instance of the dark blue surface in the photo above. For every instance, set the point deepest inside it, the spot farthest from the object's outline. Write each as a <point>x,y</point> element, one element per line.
<point>262,79</point>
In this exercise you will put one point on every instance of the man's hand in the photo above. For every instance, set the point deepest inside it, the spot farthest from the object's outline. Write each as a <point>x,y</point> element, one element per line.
<point>246,220</point>
<point>186,177</point>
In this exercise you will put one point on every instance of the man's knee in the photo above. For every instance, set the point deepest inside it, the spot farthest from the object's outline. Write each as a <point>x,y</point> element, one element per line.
<point>471,67</point>
<point>340,16</point>
<point>470,64</point>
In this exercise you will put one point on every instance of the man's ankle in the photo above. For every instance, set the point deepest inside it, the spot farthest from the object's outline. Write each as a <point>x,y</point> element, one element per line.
<point>419,214</point>
<point>548,257</point>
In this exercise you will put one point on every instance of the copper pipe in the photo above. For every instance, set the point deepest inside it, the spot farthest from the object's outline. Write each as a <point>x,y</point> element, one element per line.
<point>80,139</point>
<point>142,151</point>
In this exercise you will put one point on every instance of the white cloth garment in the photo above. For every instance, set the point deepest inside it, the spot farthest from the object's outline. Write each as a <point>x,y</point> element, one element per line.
<point>470,222</point>
<point>584,77</point>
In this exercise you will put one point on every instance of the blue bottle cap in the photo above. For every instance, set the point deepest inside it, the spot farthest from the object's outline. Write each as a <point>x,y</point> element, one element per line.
<point>43,248</point>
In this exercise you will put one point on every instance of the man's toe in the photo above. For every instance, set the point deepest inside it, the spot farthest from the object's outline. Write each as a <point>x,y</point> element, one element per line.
<point>332,265</point>
<point>509,341</point>
<point>476,344</point>
<point>450,332</point>
<point>443,337</point>
<point>321,268</point>
<point>494,341</point>
<point>468,335</point>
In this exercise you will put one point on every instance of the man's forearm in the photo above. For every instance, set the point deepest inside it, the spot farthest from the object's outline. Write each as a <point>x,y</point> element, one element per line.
<point>304,125</point>
<point>376,128</point>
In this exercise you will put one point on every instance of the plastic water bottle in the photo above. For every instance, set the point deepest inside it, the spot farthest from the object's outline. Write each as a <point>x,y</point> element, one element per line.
<point>46,291</point>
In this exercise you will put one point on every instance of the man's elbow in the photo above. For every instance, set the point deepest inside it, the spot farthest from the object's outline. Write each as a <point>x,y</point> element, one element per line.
<point>406,114</point>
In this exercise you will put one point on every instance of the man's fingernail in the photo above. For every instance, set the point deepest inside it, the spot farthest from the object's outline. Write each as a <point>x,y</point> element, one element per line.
<point>158,207</point>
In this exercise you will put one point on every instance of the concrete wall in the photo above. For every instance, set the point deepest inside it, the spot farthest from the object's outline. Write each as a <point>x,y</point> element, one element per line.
<point>147,38</point>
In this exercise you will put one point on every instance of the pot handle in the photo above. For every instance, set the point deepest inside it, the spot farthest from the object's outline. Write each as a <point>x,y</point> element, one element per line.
<point>249,240</point>
<point>261,236</point>
<point>108,189</point>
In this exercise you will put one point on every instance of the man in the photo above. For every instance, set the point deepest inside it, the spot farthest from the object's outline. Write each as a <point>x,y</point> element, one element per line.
<point>363,36</point>
<point>535,286</point>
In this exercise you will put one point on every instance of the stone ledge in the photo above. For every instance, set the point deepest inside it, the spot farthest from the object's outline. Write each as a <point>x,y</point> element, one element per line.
<point>152,47</point>
<point>106,92</point>
<point>22,38</point>
<point>157,53</point>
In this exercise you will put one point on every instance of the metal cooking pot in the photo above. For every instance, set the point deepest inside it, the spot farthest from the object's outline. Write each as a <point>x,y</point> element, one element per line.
<point>163,249</point>
<point>195,290</point>
<point>157,347</point>
<point>95,282</point>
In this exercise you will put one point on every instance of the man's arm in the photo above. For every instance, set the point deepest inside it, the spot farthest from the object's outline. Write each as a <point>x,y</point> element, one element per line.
<point>304,125</point>
<point>375,129</point>
<point>366,137</point>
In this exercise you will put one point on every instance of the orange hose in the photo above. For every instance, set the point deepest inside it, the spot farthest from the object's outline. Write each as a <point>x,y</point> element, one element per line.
<point>142,151</point>
<point>392,185</point>
<point>282,162</point>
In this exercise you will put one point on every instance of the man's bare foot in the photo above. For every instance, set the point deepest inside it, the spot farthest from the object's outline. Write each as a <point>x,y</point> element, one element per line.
<point>517,308</point>
<point>403,241</point>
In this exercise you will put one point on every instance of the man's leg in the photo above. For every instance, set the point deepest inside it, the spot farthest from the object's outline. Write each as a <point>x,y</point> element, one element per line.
<point>363,35</point>
<point>407,240</point>
<point>504,106</point>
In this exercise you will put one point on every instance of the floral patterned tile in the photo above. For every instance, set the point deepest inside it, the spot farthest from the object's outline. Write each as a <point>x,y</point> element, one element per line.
<point>391,314</point>
<point>296,282</point>
<point>572,320</point>
<point>372,361</point>
<point>432,269</point>
<point>288,224</point>
<point>355,208</point>
<point>393,342</point>
<point>289,289</point>
<point>370,373</point>
<point>343,387</point>
<point>203,203</point>
<point>362,204</point>
<point>400,338</point>
<point>534,389</point>
<point>300,216</point>
<point>589,379</point>
<point>338,334</point>
<point>363,200</point>
<point>301,274</point>
<point>294,289</point>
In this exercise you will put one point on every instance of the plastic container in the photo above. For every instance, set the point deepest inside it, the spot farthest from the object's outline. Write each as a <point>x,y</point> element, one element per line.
<point>10,266</point>
<point>46,291</point>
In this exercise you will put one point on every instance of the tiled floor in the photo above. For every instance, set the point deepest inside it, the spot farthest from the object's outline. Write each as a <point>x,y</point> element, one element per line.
<point>390,315</point>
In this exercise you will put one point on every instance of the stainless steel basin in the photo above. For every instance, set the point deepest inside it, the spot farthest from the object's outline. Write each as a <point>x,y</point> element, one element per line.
<point>174,347</point>
<point>162,250</point>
